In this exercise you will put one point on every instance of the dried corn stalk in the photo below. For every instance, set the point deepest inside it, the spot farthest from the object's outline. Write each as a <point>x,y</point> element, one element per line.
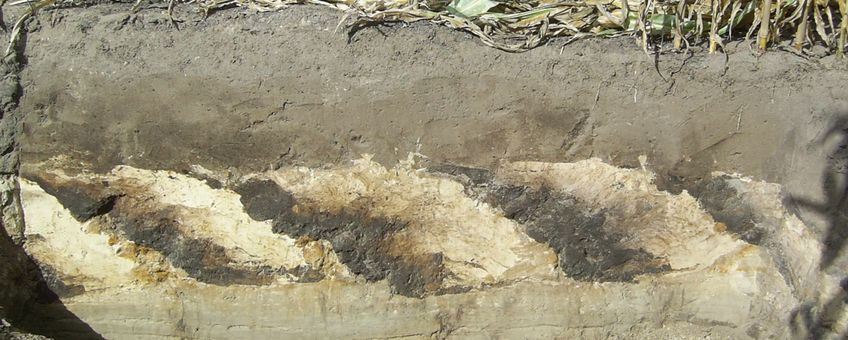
<point>519,25</point>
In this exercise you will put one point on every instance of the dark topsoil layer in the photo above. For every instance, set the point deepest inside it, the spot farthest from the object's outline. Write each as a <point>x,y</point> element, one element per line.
<point>243,92</point>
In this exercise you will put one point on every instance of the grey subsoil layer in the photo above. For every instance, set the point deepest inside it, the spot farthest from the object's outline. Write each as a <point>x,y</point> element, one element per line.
<point>242,92</point>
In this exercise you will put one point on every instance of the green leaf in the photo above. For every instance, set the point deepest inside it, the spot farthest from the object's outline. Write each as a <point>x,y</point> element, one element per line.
<point>735,21</point>
<point>662,23</point>
<point>470,8</point>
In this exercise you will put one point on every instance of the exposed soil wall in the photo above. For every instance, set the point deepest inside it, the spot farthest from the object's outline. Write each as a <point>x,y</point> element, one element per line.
<point>128,125</point>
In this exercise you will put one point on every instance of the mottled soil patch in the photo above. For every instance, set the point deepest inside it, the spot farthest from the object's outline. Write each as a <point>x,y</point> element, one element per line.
<point>360,240</point>
<point>585,249</point>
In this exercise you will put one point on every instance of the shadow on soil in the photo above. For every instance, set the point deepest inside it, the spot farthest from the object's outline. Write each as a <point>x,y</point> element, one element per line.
<point>27,301</point>
<point>816,319</point>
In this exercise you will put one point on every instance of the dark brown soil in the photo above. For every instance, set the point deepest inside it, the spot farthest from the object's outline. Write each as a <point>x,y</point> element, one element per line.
<point>83,200</point>
<point>586,250</point>
<point>360,240</point>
